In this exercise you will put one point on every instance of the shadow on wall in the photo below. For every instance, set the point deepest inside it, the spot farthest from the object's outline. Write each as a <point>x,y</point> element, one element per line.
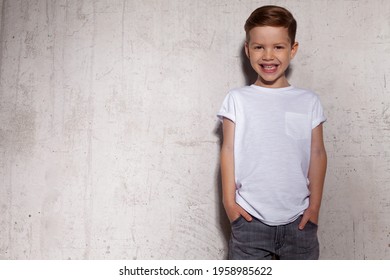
<point>250,77</point>
<point>249,74</point>
<point>221,215</point>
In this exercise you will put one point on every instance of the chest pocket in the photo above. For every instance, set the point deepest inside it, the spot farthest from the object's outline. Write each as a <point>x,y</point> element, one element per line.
<point>298,126</point>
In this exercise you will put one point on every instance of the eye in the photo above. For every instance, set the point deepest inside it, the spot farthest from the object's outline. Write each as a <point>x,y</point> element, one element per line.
<point>258,47</point>
<point>279,47</point>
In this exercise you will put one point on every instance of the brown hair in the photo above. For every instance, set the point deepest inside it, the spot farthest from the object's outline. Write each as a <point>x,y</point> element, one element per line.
<point>272,16</point>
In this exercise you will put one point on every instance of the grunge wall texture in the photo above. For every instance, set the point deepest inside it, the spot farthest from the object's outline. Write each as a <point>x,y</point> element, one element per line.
<point>109,143</point>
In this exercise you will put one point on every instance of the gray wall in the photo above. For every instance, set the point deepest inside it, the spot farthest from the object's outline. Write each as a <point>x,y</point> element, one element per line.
<point>109,142</point>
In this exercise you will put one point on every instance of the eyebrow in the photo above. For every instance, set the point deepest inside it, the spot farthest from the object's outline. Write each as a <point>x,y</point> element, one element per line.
<point>255,43</point>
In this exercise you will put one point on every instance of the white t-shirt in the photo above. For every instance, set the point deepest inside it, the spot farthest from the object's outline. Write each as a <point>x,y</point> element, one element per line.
<point>272,149</point>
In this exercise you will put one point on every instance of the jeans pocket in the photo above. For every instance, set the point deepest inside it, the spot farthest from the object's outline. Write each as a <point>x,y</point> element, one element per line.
<point>237,221</point>
<point>312,223</point>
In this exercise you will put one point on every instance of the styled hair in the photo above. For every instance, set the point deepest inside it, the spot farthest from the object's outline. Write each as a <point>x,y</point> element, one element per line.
<point>272,16</point>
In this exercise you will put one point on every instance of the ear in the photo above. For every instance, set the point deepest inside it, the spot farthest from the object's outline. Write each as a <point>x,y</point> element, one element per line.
<point>294,49</point>
<point>247,49</point>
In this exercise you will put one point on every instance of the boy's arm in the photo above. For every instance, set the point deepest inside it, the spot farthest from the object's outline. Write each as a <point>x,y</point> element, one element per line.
<point>317,170</point>
<point>233,210</point>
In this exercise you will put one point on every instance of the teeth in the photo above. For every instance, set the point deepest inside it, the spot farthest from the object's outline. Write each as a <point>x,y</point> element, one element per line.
<point>269,66</point>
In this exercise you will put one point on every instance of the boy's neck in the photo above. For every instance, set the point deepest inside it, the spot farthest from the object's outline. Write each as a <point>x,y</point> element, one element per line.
<point>280,83</point>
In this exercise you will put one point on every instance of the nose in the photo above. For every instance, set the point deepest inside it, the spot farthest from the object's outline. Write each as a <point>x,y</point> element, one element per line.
<point>268,54</point>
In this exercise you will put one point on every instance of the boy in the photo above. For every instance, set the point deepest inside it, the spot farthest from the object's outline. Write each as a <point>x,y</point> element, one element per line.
<point>273,160</point>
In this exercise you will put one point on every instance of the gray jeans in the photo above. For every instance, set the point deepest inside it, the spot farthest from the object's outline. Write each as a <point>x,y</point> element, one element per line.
<point>257,241</point>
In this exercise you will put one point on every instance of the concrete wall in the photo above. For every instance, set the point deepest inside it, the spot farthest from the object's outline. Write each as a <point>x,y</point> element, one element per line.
<point>109,143</point>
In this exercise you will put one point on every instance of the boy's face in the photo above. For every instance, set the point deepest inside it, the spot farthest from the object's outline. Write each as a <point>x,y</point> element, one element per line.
<point>270,51</point>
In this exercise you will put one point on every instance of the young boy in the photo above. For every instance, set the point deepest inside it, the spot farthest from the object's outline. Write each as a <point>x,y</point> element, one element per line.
<point>273,160</point>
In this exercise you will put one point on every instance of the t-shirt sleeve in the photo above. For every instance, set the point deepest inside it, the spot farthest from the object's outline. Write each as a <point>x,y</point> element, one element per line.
<point>228,109</point>
<point>318,116</point>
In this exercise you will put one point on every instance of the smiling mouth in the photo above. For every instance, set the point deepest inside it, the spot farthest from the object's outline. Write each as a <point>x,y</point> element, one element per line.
<point>269,68</point>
